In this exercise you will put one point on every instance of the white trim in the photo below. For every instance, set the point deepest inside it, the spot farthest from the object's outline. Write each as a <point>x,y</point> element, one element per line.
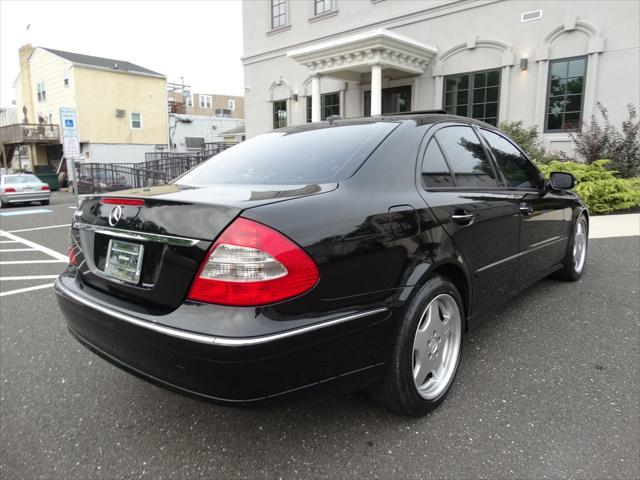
<point>205,97</point>
<point>131,120</point>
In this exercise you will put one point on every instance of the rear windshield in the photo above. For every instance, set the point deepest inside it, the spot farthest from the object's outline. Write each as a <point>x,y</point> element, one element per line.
<point>326,154</point>
<point>21,179</point>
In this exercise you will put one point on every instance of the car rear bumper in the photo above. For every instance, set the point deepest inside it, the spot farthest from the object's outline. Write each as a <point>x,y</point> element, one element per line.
<point>25,197</point>
<point>346,354</point>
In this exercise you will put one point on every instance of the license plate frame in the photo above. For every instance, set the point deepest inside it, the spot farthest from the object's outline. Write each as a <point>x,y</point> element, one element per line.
<point>124,261</point>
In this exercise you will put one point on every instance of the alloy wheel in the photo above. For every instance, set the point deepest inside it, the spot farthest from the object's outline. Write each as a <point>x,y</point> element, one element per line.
<point>580,245</point>
<point>436,347</point>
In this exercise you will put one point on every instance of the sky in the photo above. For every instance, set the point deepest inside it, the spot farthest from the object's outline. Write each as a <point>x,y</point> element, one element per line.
<point>198,40</point>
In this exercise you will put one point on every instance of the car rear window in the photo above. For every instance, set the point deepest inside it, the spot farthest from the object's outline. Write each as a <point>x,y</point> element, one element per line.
<point>21,179</point>
<point>327,154</point>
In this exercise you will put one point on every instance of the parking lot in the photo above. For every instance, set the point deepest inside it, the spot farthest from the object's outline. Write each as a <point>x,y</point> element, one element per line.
<point>549,386</point>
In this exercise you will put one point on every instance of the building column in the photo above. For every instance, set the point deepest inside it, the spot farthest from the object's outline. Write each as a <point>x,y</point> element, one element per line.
<point>316,115</point>
<point>505,85</point>
<point>438,92</point>
<point>590,87</point>
<point>376,89</point>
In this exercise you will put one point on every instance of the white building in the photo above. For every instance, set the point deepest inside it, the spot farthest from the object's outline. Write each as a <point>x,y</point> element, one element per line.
<point>544,63</point>
<point>191,132</point>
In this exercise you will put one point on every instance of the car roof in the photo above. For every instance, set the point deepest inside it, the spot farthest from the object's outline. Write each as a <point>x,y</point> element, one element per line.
<point>422,117</point>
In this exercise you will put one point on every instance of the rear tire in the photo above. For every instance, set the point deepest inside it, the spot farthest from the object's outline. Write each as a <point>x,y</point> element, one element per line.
<point>575,259</point>
<point>425,352</point>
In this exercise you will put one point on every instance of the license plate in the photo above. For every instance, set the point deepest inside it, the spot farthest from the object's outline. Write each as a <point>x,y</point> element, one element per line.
<point>124,261</point>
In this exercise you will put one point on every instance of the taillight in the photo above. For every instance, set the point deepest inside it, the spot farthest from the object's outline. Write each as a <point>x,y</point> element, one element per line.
<point>9,190</point>
<point>251,264</point>
<point>73,251</point>
<point>136,202</point>
<point>44,187</point>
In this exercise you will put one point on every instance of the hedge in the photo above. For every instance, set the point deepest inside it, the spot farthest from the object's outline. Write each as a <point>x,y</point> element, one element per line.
<point>598,186</point>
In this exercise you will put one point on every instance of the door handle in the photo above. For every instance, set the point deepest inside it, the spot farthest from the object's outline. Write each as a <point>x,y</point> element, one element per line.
<point>462,217</point>
<point>526,209</point>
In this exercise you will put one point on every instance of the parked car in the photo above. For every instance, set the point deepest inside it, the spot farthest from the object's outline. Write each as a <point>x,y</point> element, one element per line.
<point>353,254</point>
<point>23,188</point>
<point>101,180</point>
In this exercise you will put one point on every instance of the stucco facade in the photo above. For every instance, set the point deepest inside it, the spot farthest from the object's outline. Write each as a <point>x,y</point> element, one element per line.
<point>416,50</point>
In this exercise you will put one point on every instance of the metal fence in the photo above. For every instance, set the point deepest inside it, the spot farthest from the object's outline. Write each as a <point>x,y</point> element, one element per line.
<point>157,169</point>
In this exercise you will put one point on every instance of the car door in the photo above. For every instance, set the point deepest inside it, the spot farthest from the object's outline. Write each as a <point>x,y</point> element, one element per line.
<point>461,186</point>
<point>545,216</point>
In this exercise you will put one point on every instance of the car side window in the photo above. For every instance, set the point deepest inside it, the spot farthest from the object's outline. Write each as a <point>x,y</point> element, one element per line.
<point>467,158</point>
<point>435,171</point>
<point>516,168</point>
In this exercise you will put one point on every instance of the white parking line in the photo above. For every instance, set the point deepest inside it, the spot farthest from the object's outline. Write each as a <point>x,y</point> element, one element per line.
<point>18,250</point>
<point>29,277</point>
<point>27,289</point>
<point>8,241</point>
<point>21,262</point>
<point>39,228</point>
<point>46,250</point>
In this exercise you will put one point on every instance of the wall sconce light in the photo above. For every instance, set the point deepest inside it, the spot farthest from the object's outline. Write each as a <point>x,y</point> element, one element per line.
<point>524,63</point>
<point>294,97</point>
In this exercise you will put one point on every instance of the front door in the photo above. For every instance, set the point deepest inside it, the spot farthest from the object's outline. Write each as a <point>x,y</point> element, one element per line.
<point>545,217</point>
<point>394,100</point>
<point>475,210</point>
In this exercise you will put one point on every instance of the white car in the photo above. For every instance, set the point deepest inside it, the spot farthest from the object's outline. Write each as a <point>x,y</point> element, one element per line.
<point>23,188</point>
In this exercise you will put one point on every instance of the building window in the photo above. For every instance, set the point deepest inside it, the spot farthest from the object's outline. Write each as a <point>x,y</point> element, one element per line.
<point>205,101</point>
<point>223,112</point>
<point>322,6</point>
<point>190,101</point>
<point>474,95</point>
<point>329,105</point>
<point>278,13</point>
<point>66,78</point>
<point>279,113</point>
<point>136,120</point>
<point>565,94</point>
<point>42,92</point>
<point>231,104</point>
<point>394,100</point>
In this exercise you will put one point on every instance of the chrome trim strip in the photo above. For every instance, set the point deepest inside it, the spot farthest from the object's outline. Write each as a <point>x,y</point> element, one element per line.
<point>209,339</point>
<point>537,246</point>
<point>141,236</point>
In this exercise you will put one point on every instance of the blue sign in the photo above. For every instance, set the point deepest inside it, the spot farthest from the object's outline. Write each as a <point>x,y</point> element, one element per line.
<point>68,123</point>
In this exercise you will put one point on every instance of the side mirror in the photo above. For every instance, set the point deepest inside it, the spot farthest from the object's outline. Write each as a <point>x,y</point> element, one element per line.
<point>562,181</point>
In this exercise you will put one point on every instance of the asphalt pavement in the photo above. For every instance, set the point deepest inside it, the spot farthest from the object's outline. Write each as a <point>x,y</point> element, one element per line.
<point>549,386</point>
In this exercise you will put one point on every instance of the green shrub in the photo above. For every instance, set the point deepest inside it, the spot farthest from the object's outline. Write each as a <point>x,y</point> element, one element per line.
<point>622,147</point>
<point>598,186</point>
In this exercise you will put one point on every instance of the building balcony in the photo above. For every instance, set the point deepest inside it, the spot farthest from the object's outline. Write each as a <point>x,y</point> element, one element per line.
<point>29,133</point>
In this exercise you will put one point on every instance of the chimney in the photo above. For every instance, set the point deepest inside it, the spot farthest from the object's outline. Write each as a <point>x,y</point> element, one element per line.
<point>26,91</point>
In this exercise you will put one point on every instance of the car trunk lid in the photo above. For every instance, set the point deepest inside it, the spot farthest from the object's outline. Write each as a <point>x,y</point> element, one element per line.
<point>164,233</point>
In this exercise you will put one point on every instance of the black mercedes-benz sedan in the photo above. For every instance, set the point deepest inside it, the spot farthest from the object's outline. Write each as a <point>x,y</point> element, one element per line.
<point>353,254</point>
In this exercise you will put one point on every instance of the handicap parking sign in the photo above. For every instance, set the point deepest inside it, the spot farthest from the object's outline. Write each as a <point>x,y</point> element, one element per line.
<point>68,123</point>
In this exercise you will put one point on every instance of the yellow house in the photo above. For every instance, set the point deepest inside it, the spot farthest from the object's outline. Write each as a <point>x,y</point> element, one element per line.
<point>121,107</point>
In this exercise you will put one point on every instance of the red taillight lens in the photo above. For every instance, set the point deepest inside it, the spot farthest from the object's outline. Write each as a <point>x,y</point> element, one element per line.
<point>135,202</point>
<point>251,264</point>
<point>44,187</point>
<point>9,190</point>
<point>73,251</point>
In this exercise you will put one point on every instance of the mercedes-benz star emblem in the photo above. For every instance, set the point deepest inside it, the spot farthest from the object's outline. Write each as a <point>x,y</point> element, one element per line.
<point>115,215</point>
